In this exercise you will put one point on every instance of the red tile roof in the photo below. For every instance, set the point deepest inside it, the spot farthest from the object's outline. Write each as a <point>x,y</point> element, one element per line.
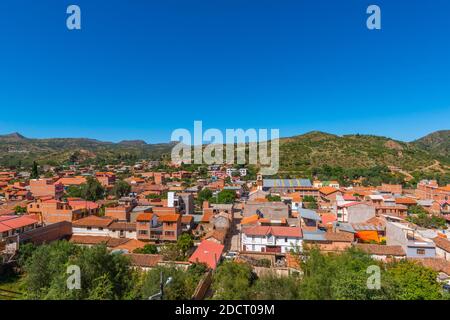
<point>328,218</point>
<point>145,260</point>
<point>379,249</point>
<point>405,201</point>
<point>146,216</point>
<point>81,204</point>
<point>207,252</point>
<point>93,221</point>
<point>327,190</point>
<point>169,218</point>
<point>14,222</point>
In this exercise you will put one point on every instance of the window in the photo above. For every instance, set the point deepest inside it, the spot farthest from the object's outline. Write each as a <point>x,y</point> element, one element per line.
<point>89,228</point>
<point>286,239</point>
<point>421,251</point>
<point>100,228</point>
<point>143,232</point>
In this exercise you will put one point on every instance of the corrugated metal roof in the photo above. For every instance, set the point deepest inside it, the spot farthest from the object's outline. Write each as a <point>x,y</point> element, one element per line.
<point>314,235</point>
<point>286,183</point>
<point>309,214</point>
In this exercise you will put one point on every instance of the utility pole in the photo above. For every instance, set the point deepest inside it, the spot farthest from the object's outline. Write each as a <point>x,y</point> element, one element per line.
<point>160,294</point>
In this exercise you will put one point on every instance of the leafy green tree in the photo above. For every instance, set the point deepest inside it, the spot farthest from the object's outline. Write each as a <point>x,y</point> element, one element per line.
<point>410,281</point>
<point>20,210</point>
<point>147,249</point>
<point>121,189</point>
<point>233,281</point>
<point>93,190</point>
<point>274,198</point>
<point>46,262</point>
<point>34,171</point>
<point>310,202</point>
<point>184,243</point>
<point>103,275</point>
<point>338,277</point>
<point>204,195</point>
<point>225,197</point>
<point>170,252</point>
<point>271,287</point>
<point>419,216</point>
<point>75,191</point>
<point>25,252</point>
<point>181,287</point>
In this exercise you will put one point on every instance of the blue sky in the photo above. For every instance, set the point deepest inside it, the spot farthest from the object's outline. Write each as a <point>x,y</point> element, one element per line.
<point>140,69</point>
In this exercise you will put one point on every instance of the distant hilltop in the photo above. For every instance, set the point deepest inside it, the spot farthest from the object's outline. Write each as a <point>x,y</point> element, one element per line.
<point>298,154</point>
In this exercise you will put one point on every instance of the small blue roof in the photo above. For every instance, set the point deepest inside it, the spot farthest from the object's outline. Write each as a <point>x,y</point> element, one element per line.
<point>286,183</point>
<point>309,214</point>
<point>314,235</point>
<point>344,226</point>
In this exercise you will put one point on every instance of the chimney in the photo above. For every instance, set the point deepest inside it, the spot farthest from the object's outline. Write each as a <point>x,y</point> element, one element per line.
<point>205,204</point>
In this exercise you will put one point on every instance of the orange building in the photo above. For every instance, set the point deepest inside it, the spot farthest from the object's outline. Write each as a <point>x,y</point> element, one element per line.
<point>121,213</point>
<point>429,189</point>
<point>53,211</point>
<point>106,179</point>
<point>46,188</point>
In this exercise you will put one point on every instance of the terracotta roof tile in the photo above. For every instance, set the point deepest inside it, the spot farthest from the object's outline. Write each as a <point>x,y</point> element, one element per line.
<point>442,243</point>
<point>145,260</point>
<point>379,249</point>
<point>93,221</point>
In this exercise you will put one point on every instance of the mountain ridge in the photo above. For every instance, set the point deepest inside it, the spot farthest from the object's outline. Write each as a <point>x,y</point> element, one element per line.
<point>298,153</point>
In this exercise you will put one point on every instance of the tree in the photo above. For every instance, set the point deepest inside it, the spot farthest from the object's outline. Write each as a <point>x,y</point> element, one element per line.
<point>225,196</point>
<point>184,243</point>
<point>310,202</point>
<point>274,198</point>
<point>181,287</point>
<point>147,249</point>
<point>153,196</point>
<point>25,252</point>
<point>410,281</point>
<point>75,191</point>
<point>271,287</point>
<point>232,281</point>
<point>34,171</point>
<point>93,190</point>
<point>338,277</point>
<point>419,216</point>
<point>204,195</point>
<point>170,252</point>
<point>20,210</point>
<point>121,189</point>
<point>103,275</point>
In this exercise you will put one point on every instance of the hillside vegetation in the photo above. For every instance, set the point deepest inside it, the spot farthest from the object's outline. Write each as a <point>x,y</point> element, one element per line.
<point>304,155</point>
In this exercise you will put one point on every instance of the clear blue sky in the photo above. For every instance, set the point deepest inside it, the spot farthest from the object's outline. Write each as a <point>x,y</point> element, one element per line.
<point>140,69</point>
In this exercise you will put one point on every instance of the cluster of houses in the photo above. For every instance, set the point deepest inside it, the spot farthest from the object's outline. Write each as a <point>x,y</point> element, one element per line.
<point>271,219</point>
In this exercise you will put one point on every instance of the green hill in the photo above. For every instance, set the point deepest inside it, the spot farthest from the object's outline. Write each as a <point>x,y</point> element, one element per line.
<point>15,149</point>
<point>315,149</point>
<point>437,142</point>
<point>299,155</point>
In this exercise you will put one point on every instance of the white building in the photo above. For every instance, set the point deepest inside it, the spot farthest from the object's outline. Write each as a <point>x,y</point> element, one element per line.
<point>271,239</point>
<point>103,227</point>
